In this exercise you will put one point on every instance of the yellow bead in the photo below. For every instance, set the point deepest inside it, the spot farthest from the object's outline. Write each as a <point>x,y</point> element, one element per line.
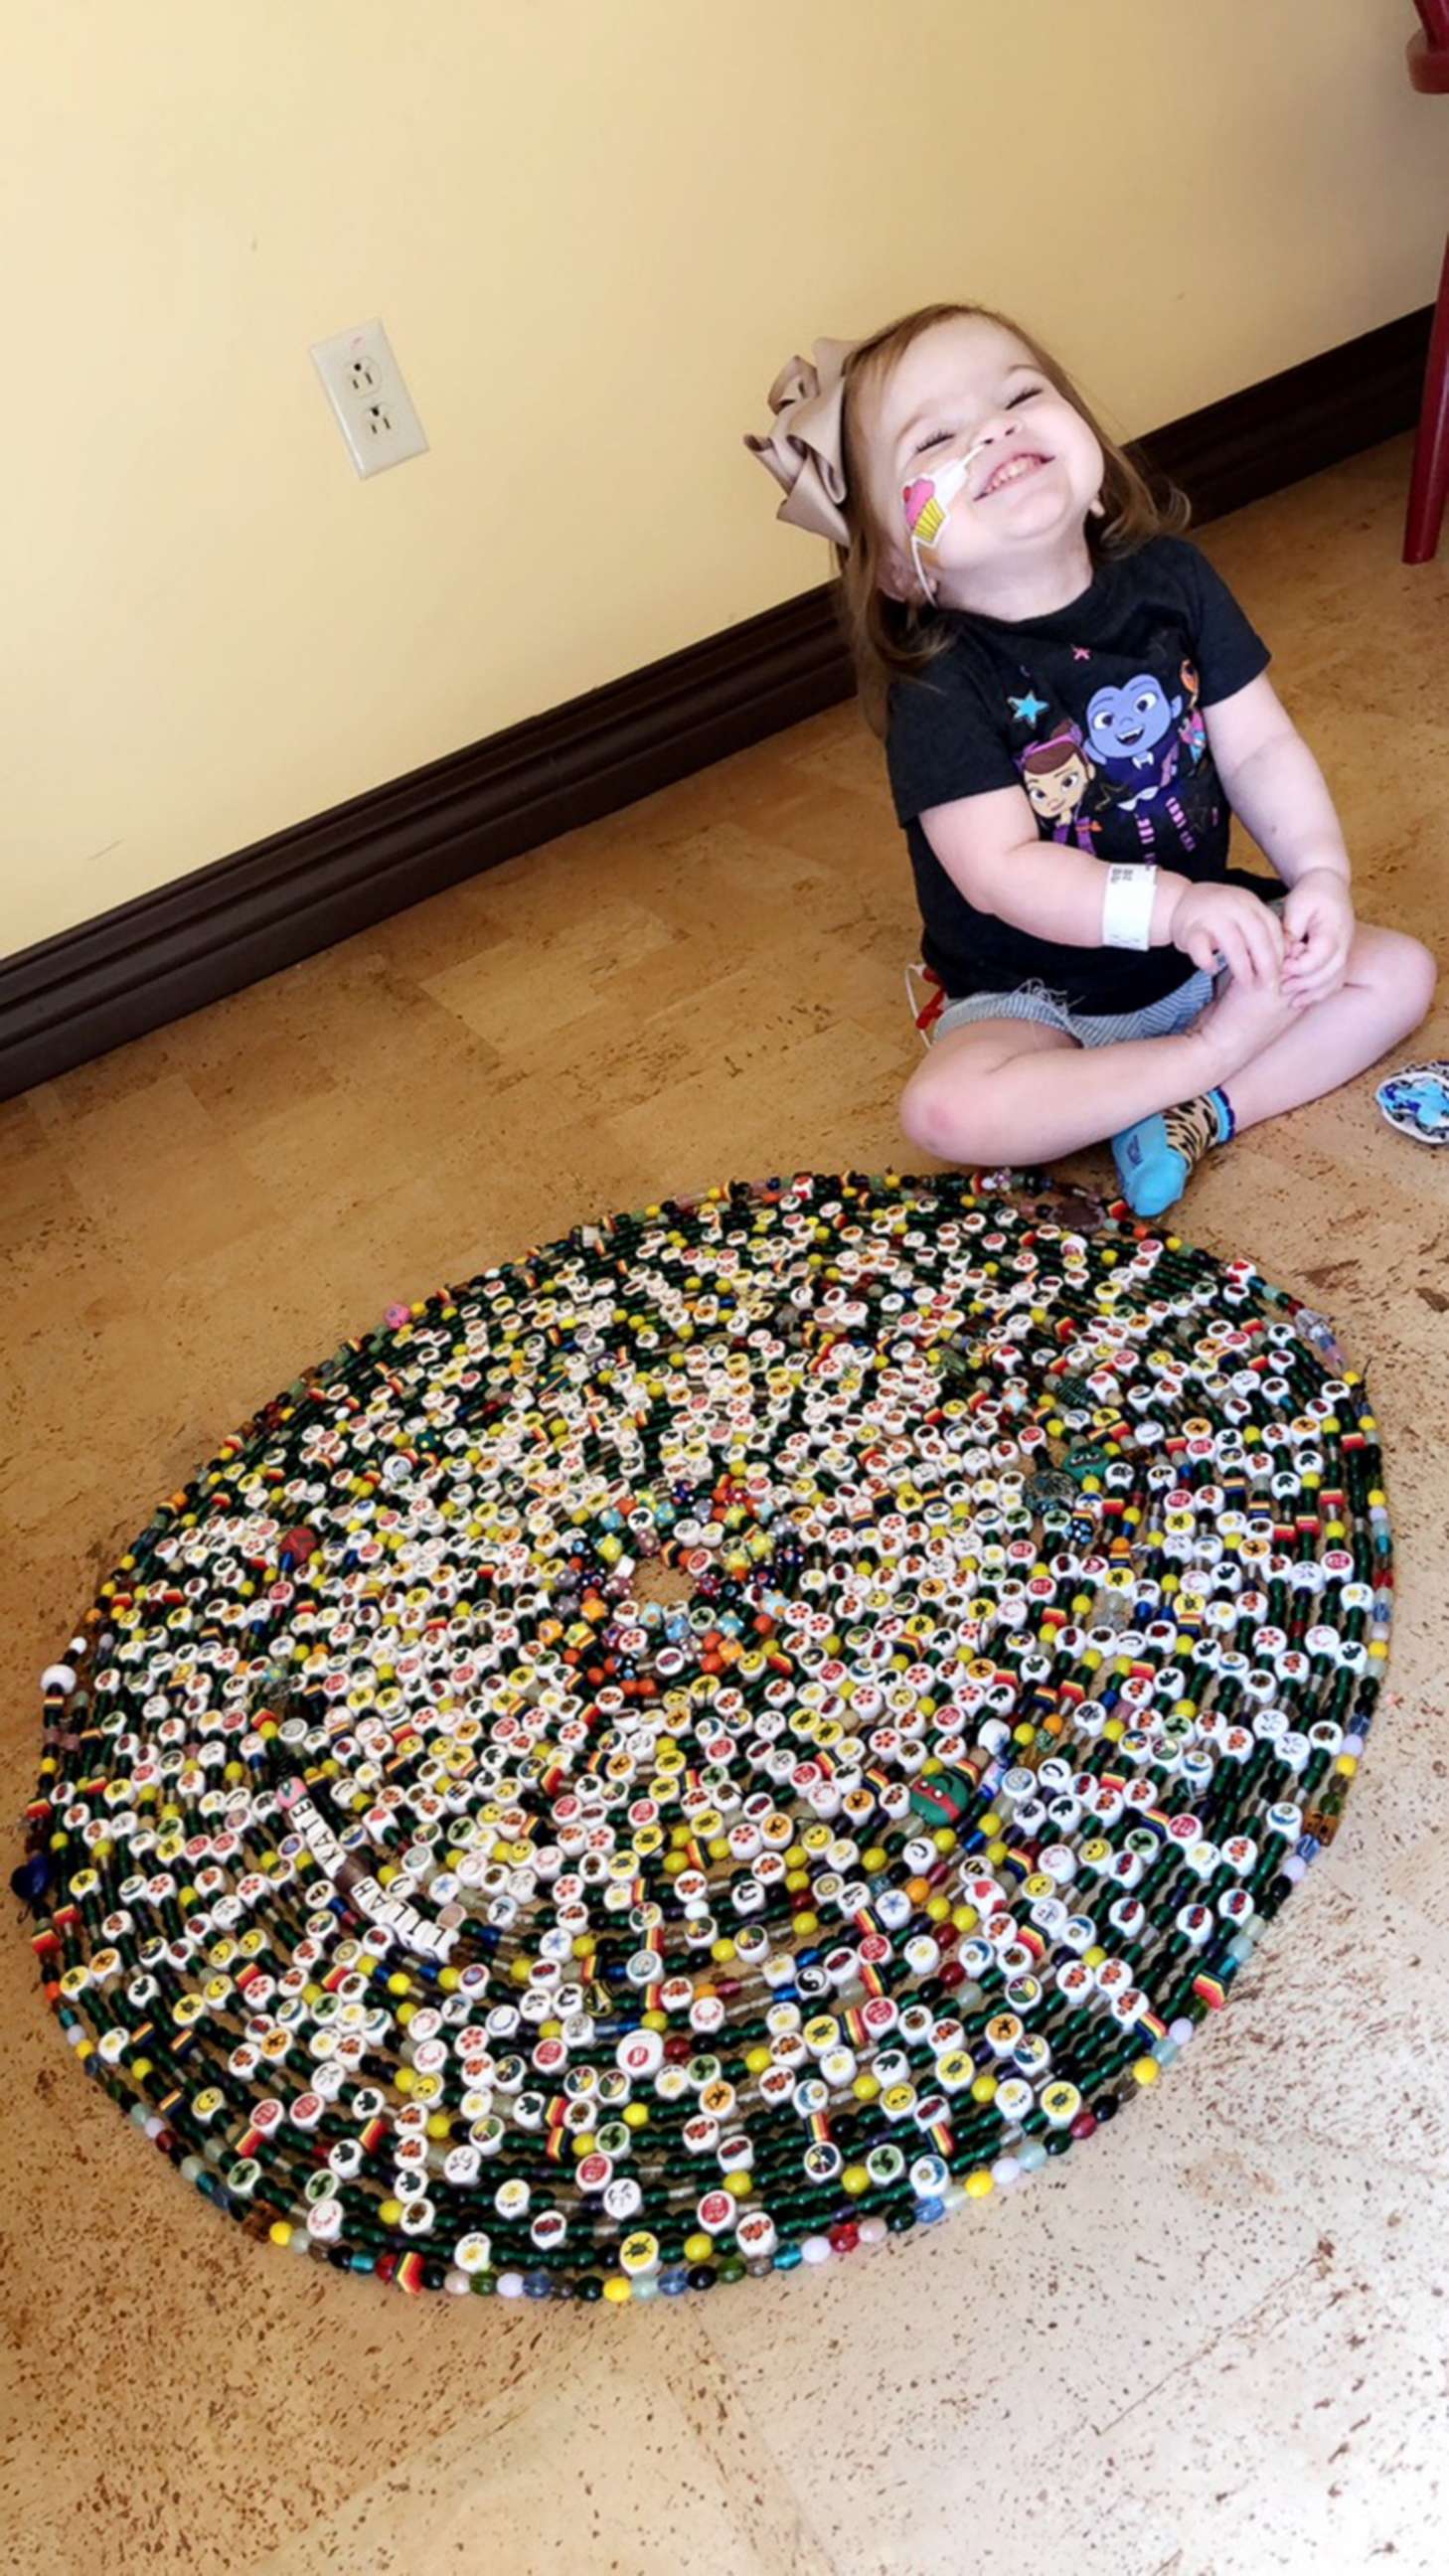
<point>984,2089</point>
<point>439,2124</point>
<point>618,2288</point>
<point>979,2183</point>
<point>724,1948</point>
<point>698,2248</point>
<point>1346,1765</point>
<point>756,2060</point>
<point>944,1839</point>
<point>990,1823</point>
<point>855,2180</point>
<point>636,2115</point>
<point>873,1860</point>
<point>390,2211</point>
<point>965,1917</point>
<point>583,2144</point>
<point>865,2087</point>
<point>656,2021</point>
<point>807,1922</point>
<point>938,1909</point>
<point>280,2231</point>
<point>1093,1958</point>
<point>739,2184</point>
<point>398,1984</point>
<point>404,2079</point>
<point>1146,2070</point>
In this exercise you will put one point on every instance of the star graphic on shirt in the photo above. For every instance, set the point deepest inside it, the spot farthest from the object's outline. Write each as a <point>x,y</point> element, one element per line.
<point>1080,653</point>
<point>1027,709</point>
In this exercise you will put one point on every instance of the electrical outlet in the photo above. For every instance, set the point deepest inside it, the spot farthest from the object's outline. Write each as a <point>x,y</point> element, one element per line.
<point>361,379</point>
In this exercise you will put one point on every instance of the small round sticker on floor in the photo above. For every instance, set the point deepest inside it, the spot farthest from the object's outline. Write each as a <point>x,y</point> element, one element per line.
<point>454,1899</point>
<point>1416,1102</point>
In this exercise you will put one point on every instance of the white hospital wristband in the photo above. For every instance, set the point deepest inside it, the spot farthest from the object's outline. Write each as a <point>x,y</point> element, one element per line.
<point>1127,907</point>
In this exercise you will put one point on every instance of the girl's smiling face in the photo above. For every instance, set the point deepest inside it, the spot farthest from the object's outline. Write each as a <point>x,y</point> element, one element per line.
<point>969,392</point>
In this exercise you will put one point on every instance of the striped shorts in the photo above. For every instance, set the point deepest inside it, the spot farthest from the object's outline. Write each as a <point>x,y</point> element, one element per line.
<point>1163,1018</point>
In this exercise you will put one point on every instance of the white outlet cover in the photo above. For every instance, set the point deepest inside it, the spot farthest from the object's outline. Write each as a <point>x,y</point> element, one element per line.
<point>363,383</point>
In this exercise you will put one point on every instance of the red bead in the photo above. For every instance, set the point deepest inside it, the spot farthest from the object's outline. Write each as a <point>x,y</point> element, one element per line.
<point>1084,2125</point>
<point>951,1974</point>
<point>677,2048</point>
<point>845,2236</point>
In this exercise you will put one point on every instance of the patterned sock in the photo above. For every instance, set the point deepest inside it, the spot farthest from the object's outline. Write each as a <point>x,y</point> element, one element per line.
<point>1155,1156</point>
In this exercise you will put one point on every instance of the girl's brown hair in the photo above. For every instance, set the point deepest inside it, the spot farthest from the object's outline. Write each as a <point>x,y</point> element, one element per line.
<point>895,639</point>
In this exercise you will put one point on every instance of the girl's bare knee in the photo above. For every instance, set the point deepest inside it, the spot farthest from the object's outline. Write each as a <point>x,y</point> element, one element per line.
<point>1403,972</point>
<point>1417,976</point>
<point>933,1117</point>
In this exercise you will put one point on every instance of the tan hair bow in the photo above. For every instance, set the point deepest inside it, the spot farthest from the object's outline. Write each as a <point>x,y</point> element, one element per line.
<point>804,449</point>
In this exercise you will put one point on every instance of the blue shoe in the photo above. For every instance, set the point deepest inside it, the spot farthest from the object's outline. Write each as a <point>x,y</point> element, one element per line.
<point>1156,1157</point>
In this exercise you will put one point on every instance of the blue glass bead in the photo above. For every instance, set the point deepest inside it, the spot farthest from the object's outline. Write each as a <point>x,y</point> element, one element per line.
<point>675,2279</point>
<point>537,2285</point>
<point>787,2258</point>
<point>928,2211</point>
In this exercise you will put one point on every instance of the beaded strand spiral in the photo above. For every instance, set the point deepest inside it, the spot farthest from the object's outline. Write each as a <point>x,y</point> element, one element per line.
<point>718,1741</point>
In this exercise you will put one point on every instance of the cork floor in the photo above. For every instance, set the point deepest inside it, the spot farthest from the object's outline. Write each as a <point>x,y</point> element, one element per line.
<point>1217,2343</point>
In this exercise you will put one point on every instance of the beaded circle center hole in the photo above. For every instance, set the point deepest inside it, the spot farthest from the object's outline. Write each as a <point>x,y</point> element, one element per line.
<point>663,1586</point>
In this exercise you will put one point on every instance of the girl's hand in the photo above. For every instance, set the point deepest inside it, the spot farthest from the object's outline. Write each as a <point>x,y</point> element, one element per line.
<point>1218,923</point>
<point>1318,918</point>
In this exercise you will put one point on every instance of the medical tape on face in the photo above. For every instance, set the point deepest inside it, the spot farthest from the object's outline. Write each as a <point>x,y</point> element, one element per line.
<point>927,500</point>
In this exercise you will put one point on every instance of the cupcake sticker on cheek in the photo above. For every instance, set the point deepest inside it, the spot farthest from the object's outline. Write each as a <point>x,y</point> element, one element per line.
<point>926,501</point>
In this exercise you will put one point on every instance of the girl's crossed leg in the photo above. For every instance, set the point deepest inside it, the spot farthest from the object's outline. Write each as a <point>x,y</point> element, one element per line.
<point>1013,1091</point>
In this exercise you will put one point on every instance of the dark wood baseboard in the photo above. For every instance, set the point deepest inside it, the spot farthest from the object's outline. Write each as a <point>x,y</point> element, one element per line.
<point>225,926</point>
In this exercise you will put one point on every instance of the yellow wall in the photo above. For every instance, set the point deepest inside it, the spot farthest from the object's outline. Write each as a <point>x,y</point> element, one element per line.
<point>593,228</point>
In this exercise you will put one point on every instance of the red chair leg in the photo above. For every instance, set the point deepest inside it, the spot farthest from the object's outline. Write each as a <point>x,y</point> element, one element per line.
<point>1429,483</point>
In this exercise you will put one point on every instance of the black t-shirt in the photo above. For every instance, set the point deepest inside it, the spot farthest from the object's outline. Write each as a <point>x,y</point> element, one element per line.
<point>1096,710</point>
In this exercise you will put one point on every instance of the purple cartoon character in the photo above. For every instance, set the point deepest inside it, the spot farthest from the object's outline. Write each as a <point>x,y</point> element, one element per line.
<point>1133,739</point>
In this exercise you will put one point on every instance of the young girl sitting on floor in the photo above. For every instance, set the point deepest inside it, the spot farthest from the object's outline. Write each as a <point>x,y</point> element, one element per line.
<point>1073,706</point>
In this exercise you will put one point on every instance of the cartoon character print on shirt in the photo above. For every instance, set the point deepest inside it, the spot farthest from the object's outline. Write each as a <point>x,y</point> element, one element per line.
<point>1133,738</point>
<point>1057,774</point>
